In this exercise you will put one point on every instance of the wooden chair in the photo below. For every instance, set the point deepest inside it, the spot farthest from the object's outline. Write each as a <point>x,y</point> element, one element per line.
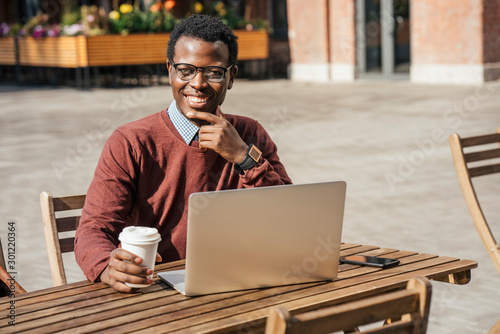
<point>8,284</point>
<point>53,226</point>
<point>465,174</point>
<point>410,306</point>
<point>495,329</point>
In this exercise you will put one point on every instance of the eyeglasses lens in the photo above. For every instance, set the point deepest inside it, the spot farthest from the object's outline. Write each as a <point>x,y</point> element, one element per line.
<point>210,73</point>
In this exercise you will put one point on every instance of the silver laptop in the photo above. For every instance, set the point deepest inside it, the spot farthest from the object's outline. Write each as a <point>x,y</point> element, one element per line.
<point>261,237</point>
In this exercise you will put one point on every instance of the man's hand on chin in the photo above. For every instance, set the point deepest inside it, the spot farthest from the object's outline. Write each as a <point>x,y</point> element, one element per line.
<point>220,136</point>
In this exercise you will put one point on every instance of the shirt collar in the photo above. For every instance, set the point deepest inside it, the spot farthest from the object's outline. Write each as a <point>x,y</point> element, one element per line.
<point>186,129</point>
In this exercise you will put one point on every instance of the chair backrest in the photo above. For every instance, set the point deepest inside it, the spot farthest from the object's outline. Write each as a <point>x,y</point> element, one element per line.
<point>53,225</point>
<point>495,329</point>
<point>8,284</point>
<point>2,258</point>
<point>467,156</point>
<point>409,306</point>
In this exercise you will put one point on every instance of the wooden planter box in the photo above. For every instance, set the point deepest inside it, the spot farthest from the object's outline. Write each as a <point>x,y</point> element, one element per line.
<point>252,44</point>
<point>67,52</point>
<point>114,50</point>
<point>136,49</point>
<point>8,51</point>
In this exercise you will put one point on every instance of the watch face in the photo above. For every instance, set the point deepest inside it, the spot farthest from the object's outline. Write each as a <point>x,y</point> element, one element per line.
<point>255,153</point>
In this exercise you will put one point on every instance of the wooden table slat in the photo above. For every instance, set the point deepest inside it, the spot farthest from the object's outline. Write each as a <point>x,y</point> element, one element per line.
<point>206,299</point>
<point>78,309</point>
<point>88,315</point>
<point>402,261</point>
<point>357,250</point>
<point>44,296</point>
<point>85,307</point>
<point>71,289</point>
<point>383,252</point>
<point>70,303</point>
<point>243,323</point>
<point>345,246</point>
<point>49,291</point>
<point>180,319</point>
<point>310,292</point>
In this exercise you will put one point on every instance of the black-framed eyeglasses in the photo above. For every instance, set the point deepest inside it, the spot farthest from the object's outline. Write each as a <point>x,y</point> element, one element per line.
<point>212,74</point>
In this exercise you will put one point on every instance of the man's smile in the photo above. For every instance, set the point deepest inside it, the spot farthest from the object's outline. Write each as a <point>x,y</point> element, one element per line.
<point>197,99</point>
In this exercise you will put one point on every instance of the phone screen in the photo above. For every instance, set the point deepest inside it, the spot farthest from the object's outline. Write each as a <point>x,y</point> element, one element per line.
<point>373,261</point>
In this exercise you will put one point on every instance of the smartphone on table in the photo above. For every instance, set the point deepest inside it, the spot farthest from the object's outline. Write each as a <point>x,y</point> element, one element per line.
<point>372,261</point>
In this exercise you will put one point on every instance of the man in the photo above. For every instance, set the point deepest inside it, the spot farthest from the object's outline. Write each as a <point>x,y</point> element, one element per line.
<point>148,168</point>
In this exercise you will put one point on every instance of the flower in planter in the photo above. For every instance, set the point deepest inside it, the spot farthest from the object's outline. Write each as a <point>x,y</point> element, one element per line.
<point>93,20</point>
<point>228,14</point>
<point>37,26</point>
<point>53,31</point>
<point>38,31</point>
<point>155,8</point>
<point>221,10</point>
<point>130,19</point>
<point>198,7</point>
<point>9,30</point>
<point>4,29</point>
<point>126,8</point>
<point>117,22</point>
<point>114,15</point>
<point>73,30</point>
<point>169,4</point>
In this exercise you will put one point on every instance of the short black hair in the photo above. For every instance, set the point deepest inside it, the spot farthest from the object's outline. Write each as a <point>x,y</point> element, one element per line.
<point>207,28</point>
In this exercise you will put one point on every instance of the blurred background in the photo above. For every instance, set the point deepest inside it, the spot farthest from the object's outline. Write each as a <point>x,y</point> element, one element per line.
<point>365,91</point>
<point>322,40</point>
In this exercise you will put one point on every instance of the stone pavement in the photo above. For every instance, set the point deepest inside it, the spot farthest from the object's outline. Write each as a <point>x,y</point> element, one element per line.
<point>388,140</point>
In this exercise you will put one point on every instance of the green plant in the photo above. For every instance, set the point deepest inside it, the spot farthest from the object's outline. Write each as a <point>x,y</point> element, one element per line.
<point>130,19</point>
<point>169,21</point>
<point>126,19</point>
<point>69,18</point>
<point>228,15</point>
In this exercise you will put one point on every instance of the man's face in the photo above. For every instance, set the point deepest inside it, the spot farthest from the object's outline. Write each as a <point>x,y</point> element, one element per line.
<point>199,94</point>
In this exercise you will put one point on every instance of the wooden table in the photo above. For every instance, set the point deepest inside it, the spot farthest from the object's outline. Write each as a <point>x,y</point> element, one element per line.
<point>86,307</point>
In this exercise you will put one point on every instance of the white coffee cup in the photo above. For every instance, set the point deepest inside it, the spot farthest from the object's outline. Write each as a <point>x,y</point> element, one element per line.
<point>143,242</point>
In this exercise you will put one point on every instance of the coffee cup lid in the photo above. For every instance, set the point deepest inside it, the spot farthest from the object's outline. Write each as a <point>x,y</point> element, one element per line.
<point>140,235</point>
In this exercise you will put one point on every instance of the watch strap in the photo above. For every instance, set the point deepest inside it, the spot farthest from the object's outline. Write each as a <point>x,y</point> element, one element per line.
<point>251,158</point>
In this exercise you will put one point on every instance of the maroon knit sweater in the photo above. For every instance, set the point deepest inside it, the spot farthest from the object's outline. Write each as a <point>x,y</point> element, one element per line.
<point>145,175</point>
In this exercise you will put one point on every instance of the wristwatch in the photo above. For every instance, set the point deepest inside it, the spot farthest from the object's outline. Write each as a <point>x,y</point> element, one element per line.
<point>251,158</point>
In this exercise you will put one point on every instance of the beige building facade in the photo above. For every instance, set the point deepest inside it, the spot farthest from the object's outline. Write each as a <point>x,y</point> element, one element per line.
<point>424,41</point>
